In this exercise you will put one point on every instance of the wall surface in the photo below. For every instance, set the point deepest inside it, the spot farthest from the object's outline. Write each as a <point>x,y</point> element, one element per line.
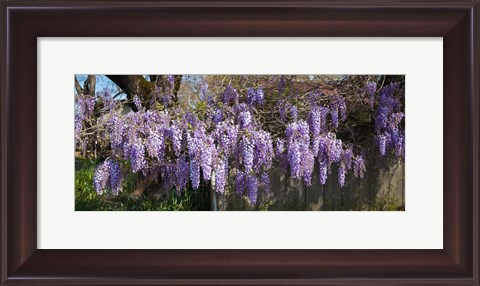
<point>382,188</point>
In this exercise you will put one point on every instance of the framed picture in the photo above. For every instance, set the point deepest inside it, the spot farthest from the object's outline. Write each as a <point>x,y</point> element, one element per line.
<point>27,259</point>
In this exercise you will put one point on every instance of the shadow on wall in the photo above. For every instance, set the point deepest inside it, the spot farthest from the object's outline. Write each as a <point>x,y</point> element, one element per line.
<point>381,189</point>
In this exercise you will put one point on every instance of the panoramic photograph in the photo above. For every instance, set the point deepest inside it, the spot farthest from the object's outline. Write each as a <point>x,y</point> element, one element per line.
<point>239,142</point>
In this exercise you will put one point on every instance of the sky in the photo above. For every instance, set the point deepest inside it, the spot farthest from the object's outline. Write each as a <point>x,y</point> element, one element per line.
<point>104,82</point>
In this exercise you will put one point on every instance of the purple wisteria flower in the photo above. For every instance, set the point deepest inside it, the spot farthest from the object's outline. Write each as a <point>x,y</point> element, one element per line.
<point>358,166</point>
<point>382,144</point>
<point>294,112</point>
<point>299,154</point>
<point>101,177</point>
<point>137,155</point>
<point>107,99</point>
<point>323,169</point>
<point>281,85</point>
<point>230,95</point>
<point>108,175</point>
<point>342,171</point>
<point>226,137</point>
<point>248,146</point>
<point>251,133</point>
<point>221,175</point>
<point>244,119</point>
<point>371,89</point>
<point>255,97</point>
<point>265,182</point>
<point>182,173</point>
<point>252,187</point>
<point>137,102</point>
<point>195,174</point>
<point>240,182</point>
<point>116,177</point>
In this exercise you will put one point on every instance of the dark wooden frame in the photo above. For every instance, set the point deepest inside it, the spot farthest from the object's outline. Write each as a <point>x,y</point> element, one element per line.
<point>24,20</point>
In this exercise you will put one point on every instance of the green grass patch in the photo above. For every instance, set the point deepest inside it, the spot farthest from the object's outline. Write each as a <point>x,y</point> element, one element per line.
<point>86,199</point>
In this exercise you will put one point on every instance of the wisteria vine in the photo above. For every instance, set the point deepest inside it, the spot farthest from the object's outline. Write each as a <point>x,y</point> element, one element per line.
<point>232,136</point>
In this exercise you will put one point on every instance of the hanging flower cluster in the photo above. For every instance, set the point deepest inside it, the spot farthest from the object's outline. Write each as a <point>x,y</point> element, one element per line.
<point>390,135</point>
<point>231,136</point>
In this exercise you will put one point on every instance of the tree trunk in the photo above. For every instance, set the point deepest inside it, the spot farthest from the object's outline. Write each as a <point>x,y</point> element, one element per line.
<point>137,85</point>
<point>134,85</point>
<point>88,85</point>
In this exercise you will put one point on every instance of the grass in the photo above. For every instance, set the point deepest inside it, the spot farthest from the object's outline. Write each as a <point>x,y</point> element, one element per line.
<point>380,204</point>
<point>383,204</point>
<point>86,199</point>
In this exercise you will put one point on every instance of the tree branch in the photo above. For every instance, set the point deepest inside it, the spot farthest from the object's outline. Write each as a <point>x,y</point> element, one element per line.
<point>78,87</point>
<point>89,85</point>
<point>134,85</point>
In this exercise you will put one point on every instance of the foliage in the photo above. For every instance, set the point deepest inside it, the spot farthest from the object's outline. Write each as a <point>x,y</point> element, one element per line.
<point>249,124</point>
<point>86,198</point>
